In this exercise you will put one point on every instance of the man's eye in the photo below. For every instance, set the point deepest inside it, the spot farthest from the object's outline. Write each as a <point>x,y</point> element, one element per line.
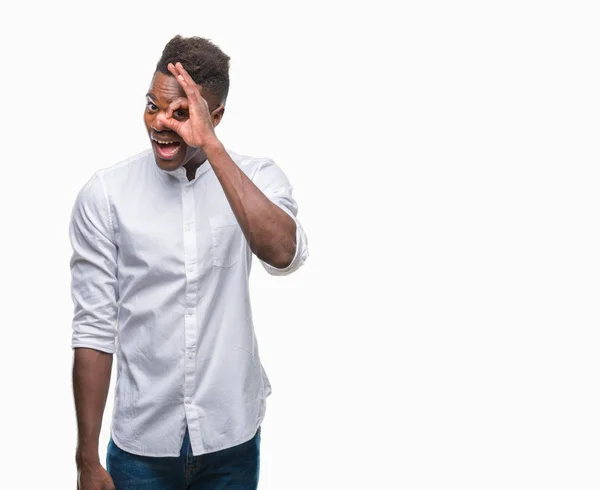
<point>151,107</point>
<point>180,113</point>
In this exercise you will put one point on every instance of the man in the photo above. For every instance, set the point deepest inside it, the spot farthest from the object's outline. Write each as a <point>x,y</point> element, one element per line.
<point>162,249</point>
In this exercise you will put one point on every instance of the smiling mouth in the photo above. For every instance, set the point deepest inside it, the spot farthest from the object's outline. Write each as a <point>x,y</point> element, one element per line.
<point>166,149</point>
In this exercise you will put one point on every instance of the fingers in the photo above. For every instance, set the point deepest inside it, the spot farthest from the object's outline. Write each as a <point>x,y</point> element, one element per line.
<point>191,88</point>
<point>181,103</point>
<point>187,78</point>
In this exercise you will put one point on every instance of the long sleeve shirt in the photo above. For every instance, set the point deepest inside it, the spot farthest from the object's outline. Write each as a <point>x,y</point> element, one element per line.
<point>160,273</point>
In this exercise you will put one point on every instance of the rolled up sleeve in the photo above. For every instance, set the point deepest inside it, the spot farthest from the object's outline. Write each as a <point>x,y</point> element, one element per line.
<point>94,287</point>
<point>273,182</point>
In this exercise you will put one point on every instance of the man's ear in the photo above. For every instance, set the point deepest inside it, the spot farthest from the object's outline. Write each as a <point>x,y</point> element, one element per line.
<point>217,115</point>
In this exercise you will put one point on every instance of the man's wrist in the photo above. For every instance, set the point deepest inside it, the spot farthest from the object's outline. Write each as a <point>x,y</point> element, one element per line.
<point>212,146</point>
<point>87,457</point>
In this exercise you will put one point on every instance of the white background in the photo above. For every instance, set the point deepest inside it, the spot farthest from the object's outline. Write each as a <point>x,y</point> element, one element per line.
<point>444,332</point>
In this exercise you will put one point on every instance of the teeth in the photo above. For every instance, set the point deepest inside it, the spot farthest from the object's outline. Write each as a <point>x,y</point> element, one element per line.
<point>164,142</point>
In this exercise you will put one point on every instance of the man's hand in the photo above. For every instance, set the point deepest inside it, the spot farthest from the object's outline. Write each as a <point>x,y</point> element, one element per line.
<point>189,116</point>
<point>94,477</point>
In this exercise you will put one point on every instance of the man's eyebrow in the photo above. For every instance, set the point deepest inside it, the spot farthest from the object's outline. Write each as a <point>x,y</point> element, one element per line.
<point>151,96</point>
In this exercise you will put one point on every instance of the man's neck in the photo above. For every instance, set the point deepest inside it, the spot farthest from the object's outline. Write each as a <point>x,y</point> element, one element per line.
<point>191,167</point>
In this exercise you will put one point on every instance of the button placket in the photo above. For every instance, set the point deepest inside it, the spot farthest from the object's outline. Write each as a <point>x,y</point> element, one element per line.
<point>191,293</point>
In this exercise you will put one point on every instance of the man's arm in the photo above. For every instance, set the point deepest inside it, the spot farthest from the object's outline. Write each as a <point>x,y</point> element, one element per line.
<point>91,380</point>
<point>269,230</point>
<point>273,185</point>
<point>95,296</point>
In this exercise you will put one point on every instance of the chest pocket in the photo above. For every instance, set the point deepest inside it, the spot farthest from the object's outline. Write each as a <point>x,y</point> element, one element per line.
<point>227,239</point>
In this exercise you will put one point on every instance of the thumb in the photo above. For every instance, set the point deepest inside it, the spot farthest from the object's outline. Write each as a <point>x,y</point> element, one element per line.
<point>169,122</point>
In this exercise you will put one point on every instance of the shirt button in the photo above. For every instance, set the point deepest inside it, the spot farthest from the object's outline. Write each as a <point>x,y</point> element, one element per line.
<point>190,355</point>
<point>188,400</point>
<point>190,268</point>
<point>190,312</point>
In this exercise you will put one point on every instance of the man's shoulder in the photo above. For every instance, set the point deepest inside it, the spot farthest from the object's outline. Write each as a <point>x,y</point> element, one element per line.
<point>117,175</point>
<point>124,168</point>
<point>249,164</point>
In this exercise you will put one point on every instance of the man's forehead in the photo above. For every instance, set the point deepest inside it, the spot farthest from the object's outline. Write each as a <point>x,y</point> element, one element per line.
<point>165,87</point>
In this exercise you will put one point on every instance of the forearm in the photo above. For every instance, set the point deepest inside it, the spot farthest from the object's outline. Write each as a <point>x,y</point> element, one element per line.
<point>91,380</point>
<point>270,231</point>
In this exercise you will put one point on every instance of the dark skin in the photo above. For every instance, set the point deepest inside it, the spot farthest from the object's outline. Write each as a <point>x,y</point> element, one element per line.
<point>91,380</point>
<point>179,112</point>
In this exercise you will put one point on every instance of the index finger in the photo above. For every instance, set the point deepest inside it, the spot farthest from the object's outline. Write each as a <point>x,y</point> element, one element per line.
<point>185,80</point>
<point>178,103</point>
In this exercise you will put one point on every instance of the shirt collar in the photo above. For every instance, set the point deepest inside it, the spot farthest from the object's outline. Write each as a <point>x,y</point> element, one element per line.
<point>180,173</point>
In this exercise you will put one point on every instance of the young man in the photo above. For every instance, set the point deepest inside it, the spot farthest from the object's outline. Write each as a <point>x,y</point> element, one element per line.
<point>162,249</point>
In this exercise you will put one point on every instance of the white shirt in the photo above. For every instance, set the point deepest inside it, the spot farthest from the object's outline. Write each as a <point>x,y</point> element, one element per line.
<point>160,271</point>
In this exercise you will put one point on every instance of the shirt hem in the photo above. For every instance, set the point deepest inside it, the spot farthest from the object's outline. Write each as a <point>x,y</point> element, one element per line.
<point>230,445</point>
<point>125,448</point>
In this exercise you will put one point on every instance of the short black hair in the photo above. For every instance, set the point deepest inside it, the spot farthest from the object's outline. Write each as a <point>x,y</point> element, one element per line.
<point>203,60</point>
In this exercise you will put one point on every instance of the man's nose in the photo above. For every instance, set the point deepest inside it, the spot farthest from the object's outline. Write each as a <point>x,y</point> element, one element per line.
<point>159,122</point>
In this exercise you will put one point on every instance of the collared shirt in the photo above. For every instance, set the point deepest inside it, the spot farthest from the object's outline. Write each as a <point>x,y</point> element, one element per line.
<point>160,272</point>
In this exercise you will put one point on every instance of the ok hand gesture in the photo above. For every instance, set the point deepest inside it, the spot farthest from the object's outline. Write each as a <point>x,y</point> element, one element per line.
<point>189,116</point>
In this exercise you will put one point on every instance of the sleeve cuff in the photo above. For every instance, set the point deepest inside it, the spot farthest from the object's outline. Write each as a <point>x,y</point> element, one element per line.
<point>300,254</point>
<point>108,349</point>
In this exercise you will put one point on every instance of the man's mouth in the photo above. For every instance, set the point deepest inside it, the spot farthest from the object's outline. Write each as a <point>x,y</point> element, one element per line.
<point>166,148</point>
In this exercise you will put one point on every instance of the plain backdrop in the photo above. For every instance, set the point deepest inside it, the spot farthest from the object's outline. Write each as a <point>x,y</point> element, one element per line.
<point>444,332</point>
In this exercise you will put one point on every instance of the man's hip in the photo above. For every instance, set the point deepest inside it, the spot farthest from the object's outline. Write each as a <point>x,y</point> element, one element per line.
<point>234,468</point>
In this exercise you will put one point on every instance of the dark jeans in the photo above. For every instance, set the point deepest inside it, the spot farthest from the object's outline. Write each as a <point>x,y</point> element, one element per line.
<point>235,468</point>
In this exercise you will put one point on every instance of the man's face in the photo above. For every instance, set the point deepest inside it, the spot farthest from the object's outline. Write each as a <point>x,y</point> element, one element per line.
<point>169,148</point>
